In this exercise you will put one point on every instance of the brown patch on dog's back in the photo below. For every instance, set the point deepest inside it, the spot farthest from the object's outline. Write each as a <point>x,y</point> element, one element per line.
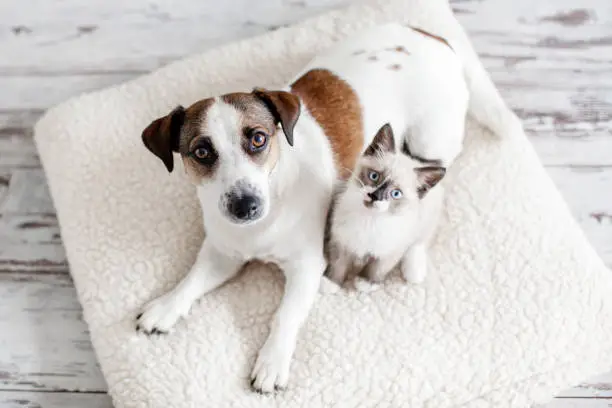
<point>430,35</point>
<point>335,106</point>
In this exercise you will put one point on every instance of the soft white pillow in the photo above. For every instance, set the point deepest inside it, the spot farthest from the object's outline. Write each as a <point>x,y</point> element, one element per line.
<point>517,307</point>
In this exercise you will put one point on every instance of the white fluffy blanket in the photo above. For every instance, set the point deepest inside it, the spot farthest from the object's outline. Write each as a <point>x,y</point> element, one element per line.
<point>516,308</point>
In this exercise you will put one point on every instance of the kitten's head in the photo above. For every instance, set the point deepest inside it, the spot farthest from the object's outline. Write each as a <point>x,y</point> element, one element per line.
<point>386,180</point>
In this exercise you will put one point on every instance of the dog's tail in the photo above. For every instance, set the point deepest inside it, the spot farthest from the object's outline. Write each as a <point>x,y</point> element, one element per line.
<point>486,105</point>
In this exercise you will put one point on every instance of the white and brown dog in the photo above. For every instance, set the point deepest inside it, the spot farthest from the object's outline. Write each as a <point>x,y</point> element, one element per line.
<point>265,164</point>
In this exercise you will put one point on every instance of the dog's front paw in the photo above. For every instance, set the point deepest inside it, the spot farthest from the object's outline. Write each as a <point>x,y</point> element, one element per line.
<point>160,315</point>
<point>271,371</point>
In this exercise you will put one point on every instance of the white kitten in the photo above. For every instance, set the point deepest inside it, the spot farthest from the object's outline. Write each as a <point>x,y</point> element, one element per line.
<point>385,215</point>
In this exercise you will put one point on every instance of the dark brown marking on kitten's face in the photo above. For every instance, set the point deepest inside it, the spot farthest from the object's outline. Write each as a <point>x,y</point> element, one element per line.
<point>383,142</point>
<point>428,177</point>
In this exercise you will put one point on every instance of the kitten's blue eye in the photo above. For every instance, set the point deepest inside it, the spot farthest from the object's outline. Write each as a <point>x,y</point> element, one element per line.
<point>396,194</point>
<point>373,175</point>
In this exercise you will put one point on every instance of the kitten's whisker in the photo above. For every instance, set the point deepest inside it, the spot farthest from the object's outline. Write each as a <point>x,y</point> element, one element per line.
<point>348,170</point>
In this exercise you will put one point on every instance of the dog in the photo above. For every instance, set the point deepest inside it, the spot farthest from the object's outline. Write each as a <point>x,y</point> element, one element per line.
<point>265,163</point>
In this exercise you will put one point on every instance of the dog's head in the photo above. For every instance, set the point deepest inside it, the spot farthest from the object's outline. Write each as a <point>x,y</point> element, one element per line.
<point>229,146</point>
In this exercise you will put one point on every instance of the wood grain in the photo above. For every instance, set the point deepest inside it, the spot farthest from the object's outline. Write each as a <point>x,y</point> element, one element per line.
<point>133,36</point>
<point>20,399</point>
<point>46,344</point>
<point>579,403</point>
<point>552,61</point>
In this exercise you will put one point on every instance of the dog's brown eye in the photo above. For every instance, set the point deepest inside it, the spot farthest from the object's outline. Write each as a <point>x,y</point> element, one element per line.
<point>201,153</point>
<point>258,140</point>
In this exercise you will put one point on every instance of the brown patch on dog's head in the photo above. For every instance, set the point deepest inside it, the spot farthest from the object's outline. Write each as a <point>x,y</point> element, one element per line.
<point>430,35</point>
<point>284,106</point>
<point>335,106</point>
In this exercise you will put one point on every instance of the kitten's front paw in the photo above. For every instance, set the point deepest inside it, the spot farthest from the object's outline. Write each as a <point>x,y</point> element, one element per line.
<point>159,315</point>
<point>365,285</point>
<point>328,287</point>
<point>414,266</point>
<point>271,370</point>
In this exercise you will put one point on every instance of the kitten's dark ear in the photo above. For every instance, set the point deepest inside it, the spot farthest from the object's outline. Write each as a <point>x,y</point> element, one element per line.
<point>284,106</point>
<point>161,137</point>
<point>383,142</point>
<point>428,177</point>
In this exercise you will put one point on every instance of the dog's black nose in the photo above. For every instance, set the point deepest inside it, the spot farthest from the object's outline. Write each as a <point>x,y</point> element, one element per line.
<point>245,208</point>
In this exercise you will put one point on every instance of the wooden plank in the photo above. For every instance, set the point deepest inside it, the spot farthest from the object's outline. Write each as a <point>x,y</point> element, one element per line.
<point>42,92</point>
<point>31,243</point>
<point>27,193</point>
<point>46,343</point>
<point>578,403</point>
<point>17,147</point>
<point>132,36</point>
<point>589,196</point>
<point>20,399</point>
<point>599,387</point>
<point>573,148</point>
<point>18,119</point>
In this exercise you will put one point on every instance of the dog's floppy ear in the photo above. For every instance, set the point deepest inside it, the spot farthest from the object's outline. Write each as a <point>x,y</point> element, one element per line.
<point>285,107</point>
<point>428,177</point>
<point>161,137</point>
<point>383,142</point>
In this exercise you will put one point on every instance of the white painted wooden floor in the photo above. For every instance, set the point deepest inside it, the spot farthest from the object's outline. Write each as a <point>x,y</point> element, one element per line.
<point>552,59</point>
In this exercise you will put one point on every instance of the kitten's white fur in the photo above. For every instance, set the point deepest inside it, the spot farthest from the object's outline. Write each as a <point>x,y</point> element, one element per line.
<point>380,235</point>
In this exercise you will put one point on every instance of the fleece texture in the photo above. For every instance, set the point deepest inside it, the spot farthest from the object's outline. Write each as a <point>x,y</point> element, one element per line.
<point>517,305</point>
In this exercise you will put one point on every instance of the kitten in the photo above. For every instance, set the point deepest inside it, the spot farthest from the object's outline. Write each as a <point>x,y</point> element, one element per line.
<point>385,215</point>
